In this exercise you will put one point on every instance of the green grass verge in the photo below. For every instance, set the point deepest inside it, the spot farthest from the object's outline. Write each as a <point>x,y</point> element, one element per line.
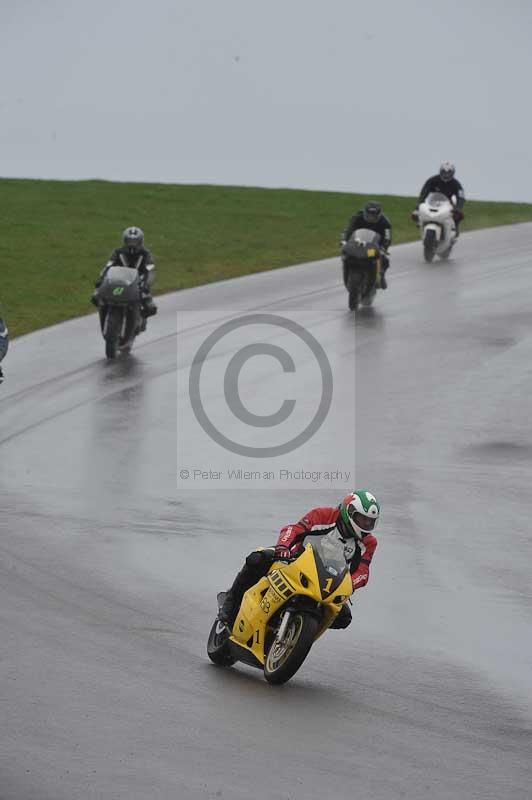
<point>56,235</point>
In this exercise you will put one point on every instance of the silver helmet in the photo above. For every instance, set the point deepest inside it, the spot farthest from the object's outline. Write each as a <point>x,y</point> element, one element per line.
<point>133,237</point>
<point>447,170</point>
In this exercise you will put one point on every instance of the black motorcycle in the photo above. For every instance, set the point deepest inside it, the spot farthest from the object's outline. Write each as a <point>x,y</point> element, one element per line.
<point>4,344</point>
<point>361,267</point>
<point>119,307</point>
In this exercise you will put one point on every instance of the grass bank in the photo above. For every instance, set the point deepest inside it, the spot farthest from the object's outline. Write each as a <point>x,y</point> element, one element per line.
<point>56,235</point>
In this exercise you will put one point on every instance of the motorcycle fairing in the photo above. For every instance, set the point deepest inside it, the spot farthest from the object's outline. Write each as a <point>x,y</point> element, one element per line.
<point>302,580</point>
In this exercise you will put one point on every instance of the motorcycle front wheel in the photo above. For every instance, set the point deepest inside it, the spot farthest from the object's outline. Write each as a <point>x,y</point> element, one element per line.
<point>354,287</point>
<point>429,245</point>
<point>112,332</point>
<point>285,657</point>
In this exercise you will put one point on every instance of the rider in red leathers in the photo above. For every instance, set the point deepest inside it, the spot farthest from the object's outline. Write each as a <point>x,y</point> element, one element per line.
<point>355,519</point>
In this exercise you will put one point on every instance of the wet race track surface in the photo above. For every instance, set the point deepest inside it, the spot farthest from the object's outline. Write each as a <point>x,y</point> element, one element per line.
<point>109,573</point>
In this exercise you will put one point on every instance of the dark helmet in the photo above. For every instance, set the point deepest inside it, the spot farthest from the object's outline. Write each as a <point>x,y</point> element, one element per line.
<point>133,237</point>
<point>447,170</point>
<point>372,211</point>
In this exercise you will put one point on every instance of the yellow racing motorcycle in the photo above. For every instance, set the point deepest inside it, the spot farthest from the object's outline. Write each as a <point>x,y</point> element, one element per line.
<point>283,614</point>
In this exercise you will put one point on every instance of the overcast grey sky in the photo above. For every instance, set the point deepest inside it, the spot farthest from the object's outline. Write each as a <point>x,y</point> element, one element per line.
<point>302,93</point>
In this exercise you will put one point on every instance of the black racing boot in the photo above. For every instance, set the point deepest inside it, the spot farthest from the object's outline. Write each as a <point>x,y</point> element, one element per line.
<point>385,263</point>
<point>233,597</point>
<point>148,306</point>
<point>230,606</point>
<point>231,603</point>
<point>255,567</point>
<point>94,298</point>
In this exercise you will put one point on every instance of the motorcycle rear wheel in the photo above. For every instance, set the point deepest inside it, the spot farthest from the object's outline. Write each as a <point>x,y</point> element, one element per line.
<point>284,658</point>
<point>112,332</point>
<point>218,645</point>
<point>368,299</point>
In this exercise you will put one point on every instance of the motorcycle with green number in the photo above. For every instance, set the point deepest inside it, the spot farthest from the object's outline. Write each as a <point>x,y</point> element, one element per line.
<point>283,614</point>
<point>119,308</point>
<point>361,267</point>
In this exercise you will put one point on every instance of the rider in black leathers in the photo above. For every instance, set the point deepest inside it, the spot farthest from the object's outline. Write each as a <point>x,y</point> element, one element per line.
<point>133,254</point>
<point>4,344</point>
<point>371,217</point>
<point>447,184</point>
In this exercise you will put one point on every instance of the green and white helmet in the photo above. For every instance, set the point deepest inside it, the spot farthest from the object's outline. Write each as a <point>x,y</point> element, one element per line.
<point>360,512</point>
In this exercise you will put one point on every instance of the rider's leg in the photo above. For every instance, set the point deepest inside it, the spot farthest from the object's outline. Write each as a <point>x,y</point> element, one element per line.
<point>256,566</point>
<point>385,264</point>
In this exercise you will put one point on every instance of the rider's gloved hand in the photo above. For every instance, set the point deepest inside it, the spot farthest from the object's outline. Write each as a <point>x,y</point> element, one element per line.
<point>414,216</point>
<point>282,551</point>
<point>457,215</point>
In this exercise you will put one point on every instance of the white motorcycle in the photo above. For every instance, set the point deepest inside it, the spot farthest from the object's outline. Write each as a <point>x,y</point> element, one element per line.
<point>438,229</point>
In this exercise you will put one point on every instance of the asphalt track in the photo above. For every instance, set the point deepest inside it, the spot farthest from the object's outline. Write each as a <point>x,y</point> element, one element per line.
<point>108,573</point>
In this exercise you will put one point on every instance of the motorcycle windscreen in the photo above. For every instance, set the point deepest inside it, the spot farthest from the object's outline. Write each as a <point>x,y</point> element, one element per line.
<point>123,276</point>
<point>365,236</point>
<point>436,199</point>
<point>329,550</point>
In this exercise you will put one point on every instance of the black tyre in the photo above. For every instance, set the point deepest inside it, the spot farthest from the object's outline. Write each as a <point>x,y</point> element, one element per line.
<point>429,245</point>
<point>112,333</point>
<point>446,253</point>
<point>368,298</point>
<point>218,645</point>
<point>345,273</point>
<point>283,660</point>
<point>354,287</point>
